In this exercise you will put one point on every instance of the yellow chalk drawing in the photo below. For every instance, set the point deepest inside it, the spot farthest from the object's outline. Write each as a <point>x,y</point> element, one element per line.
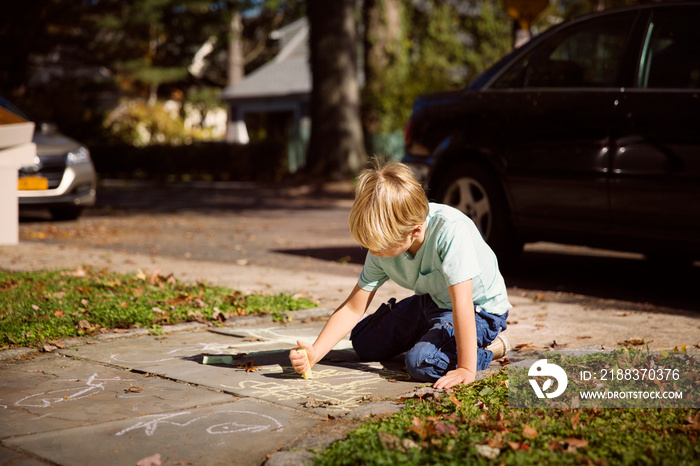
<point>335,396</point>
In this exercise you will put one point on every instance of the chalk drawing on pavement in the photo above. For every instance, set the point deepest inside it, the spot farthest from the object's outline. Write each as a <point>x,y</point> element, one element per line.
<point>236,422</point>
<point>341,396</point>
<point>86,388</point>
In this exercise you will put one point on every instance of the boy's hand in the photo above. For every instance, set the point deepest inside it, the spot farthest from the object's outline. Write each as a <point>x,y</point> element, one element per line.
<point>454,377</point>
<point>299,361</point>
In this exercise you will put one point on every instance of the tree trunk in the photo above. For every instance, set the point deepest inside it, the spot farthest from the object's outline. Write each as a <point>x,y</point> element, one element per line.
<point>235,50</point>
<point>382,45</point>
<point>336,146</point>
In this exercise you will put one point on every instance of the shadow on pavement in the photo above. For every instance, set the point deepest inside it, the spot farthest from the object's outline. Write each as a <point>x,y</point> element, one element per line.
<point>639,281</point>
<point>343,254</point>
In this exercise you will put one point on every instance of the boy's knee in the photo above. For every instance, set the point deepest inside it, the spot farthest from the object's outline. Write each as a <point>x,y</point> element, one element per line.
<point>363,351</point>
<point>419,362</point>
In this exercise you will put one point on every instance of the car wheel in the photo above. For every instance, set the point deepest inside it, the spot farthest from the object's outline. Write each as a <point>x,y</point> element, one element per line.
<point>474,190</point>
<point>65,213</point>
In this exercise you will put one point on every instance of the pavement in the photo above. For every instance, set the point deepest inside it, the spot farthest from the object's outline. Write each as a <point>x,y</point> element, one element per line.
<point>227,395</point>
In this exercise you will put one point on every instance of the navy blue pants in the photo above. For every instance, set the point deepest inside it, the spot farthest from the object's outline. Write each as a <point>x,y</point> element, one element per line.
<point>418,327</point>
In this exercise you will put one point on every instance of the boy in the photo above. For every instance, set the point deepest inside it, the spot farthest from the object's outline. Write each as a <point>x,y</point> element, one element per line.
<point>460,305</point>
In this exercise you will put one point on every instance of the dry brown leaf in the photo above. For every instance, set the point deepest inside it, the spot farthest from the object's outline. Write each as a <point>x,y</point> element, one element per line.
<point>633,342</point>
<point>249,366</point>
<point>555,346</point>
<point>529,431</point>
<point>153,460</point>
<point>573,444</point>
<point>446,428</point>
<point>133,389</point>
<point>575,419</point>
<point>49,348</point>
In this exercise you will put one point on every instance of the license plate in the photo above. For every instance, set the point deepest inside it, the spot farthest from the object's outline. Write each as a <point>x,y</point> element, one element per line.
<point>32,183</point>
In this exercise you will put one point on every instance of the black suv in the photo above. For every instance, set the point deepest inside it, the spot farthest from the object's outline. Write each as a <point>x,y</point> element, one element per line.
<point>588,134</point>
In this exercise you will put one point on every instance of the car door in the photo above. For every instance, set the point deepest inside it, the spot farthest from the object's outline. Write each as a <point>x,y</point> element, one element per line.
<point>562,97</point>
<point>655,179</point>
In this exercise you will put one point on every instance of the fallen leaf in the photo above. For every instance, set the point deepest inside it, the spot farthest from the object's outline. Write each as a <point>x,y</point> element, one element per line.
<point>555,346</point>
<point>576,442</point>
<point>249,366</point>
<point>454,400</point>
<point>487,451</point>
<point>133,389</point>
<point>575,419</point>
<point>446,428</point>
<point>693,421</point>
<point>150,460</point>
<point>49,348</point>
<point>540,297</point>
<point>633,342</point>
<point>529,431</point>
<point>58,313</point>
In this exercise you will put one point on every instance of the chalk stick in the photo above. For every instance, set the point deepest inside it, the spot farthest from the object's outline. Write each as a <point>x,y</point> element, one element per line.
<point>307,374</point>
<point>217,360</point>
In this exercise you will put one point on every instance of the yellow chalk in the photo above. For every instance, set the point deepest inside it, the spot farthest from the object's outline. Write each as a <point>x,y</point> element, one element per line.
<point>307,374</point>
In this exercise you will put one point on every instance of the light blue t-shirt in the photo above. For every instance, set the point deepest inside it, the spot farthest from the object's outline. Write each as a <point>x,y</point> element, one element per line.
<point>453,252</point>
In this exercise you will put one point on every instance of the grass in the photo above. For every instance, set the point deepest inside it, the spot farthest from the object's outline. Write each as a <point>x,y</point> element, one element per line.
<point>40,307</point>
<point>474,424</point>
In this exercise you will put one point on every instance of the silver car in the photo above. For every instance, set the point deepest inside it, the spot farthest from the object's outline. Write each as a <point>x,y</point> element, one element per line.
<point>62,178</point>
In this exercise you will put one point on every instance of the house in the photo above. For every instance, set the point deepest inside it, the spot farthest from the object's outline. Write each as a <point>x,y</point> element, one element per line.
<point>274,99</point>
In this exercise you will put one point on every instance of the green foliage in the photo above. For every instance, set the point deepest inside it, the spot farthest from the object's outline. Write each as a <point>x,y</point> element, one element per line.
<point>137,123</point>
<point>443,48</point>
<point>473,424</point>
<point>37,307</point>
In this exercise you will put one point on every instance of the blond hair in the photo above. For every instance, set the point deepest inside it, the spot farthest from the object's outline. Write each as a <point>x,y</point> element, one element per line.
<point>389,203</point>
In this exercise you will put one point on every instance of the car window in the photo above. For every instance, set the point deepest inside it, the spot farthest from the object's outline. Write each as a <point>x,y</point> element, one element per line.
<point>671,56</point>
<point>584,55</point>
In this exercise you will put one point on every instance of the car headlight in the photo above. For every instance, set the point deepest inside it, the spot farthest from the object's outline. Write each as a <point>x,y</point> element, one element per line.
<point>79,155</point>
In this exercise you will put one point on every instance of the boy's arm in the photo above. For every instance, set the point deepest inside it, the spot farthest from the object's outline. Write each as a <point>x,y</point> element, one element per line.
<point>340,323</point>
<point>465,336</point>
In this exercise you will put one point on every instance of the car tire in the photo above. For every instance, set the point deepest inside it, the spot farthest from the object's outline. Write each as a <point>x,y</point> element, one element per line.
<point>473,189</point>
<point>61,214</point>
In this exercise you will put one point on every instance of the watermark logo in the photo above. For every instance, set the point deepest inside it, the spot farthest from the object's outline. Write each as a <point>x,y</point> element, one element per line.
<point>542,368</point>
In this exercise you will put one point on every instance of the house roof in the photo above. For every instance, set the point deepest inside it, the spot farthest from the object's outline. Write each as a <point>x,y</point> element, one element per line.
<point>285,75</point>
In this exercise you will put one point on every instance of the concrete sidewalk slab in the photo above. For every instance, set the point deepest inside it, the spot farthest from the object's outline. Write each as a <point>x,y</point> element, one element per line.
<point>242,432</point>
<point>52,392</point>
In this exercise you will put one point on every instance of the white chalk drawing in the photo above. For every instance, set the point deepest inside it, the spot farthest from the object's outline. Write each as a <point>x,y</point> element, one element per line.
<point>242,421</point>
<point>334,396</point>
<point>89,387</point>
